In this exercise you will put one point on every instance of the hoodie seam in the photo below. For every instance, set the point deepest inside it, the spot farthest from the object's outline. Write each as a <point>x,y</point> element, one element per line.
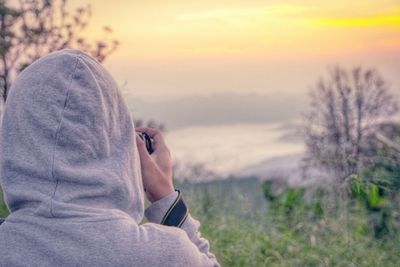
<point>57,133</point>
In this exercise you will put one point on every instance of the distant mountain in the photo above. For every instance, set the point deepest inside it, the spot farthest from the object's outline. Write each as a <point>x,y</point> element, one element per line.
<point>287,167</point>
<point>223,108</point>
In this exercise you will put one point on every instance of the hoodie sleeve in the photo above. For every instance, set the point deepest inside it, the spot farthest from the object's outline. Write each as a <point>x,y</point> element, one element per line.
<point>157,210</point>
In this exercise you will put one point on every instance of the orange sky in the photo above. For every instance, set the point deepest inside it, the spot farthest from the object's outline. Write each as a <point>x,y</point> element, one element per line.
<point>171,48</point>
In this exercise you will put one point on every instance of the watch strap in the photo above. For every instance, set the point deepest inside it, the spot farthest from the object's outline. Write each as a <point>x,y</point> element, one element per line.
<point>177,213</point>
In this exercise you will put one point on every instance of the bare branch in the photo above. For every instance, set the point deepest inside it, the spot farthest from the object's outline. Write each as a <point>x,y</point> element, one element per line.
<point>346,108</point>
<point>38,27</point>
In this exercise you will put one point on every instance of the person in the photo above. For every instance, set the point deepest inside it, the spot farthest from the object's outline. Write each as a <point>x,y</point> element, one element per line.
<point>75,172</point>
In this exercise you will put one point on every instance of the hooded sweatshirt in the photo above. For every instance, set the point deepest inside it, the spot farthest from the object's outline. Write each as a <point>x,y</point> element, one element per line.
<point>70,172</point>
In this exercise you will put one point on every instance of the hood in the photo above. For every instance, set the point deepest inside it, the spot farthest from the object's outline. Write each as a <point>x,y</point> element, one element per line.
<point>67,142</point>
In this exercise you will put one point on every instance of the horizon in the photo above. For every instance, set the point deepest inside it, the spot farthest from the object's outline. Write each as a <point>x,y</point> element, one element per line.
<point>200,67</point>
<point>200,133</point>
<point>239,46</point>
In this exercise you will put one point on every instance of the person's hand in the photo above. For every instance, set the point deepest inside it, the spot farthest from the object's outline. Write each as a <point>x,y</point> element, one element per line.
<point>157,167</point>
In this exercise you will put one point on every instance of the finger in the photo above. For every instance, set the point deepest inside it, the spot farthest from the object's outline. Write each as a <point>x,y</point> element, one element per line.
<point>154,133</point>
<point>141,147</point>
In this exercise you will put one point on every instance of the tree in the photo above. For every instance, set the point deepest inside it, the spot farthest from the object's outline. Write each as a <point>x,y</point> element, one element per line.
<point>33,28</point>
<point>150,123</point>
<point>346,107</point>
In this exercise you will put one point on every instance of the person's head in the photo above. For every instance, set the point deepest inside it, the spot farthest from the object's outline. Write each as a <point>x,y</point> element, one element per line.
<point>68,141</point>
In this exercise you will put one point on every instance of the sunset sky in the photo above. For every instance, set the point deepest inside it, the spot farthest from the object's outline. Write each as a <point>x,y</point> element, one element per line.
<point>175,48</point>
<point>229,78</point>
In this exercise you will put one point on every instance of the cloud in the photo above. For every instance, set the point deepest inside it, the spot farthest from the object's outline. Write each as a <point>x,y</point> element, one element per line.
<point>308,15</point>
<point>367,21</point>
<point>235,13</point>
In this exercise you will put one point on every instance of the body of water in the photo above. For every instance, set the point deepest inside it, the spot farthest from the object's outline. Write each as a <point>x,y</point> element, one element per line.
<point>232,148</point>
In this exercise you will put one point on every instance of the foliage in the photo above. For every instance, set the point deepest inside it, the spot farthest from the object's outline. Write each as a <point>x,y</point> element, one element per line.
<point>34,28</point>
<point>292,227</point>
<point>150,124</point>
<point>3,208</point>
<point>346,110</point>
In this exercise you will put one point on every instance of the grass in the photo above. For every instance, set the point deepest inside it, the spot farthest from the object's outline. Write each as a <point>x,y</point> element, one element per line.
<point>244,229</point>
<point>3,208</point>
<point>284,233</point>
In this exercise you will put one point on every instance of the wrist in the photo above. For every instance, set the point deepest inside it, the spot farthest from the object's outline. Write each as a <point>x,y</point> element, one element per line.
<point>161,192</point>
<point>170,210</point>
<point>177,213</point>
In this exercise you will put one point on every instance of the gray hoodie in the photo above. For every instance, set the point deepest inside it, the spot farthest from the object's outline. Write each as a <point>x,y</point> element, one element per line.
<point>70,172</point>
